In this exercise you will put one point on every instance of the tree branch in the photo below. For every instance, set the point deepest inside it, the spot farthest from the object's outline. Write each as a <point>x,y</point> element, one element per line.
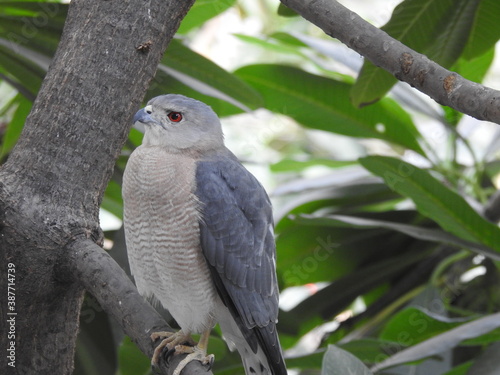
<point>100,275</point>
<point>445,87</point>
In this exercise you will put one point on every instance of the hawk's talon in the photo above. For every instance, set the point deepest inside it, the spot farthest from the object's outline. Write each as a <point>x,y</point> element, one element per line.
<point>211,363</point>
<point>168,354</point>
<point>170,340</point>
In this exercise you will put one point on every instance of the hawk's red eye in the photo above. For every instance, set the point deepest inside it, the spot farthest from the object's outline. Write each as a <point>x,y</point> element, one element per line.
<point>175,116</point>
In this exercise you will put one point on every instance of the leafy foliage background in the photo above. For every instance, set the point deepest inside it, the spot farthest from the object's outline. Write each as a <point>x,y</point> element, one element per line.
<point>389,257</point>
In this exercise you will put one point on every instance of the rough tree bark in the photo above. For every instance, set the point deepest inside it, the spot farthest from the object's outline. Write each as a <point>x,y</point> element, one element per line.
<point>445,87</point>
<point>53,182</point>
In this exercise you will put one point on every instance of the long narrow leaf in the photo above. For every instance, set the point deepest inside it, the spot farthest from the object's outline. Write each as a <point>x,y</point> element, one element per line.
<point>426,234</point>
<point>197,71</point>
<point>21,70</point>
<point>438,28</point>
<point>322,103</point>
<point>435,200</point>
<point>42,40</point>
<point>443,342</point>
<point>15,126</point>
<point>202,11</point>
<point>448,43</point>
<point>340,293</point>
<point>32,24</point>
<point>340,362</point>
<point>486,29</point>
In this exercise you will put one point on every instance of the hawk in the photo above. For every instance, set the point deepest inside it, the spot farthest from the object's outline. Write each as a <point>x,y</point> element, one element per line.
<point>199,234</point>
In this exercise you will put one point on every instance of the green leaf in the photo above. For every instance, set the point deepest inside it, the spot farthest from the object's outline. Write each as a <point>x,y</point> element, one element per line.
<point>23,74</point>
<point>165,83</point>
<point>313,360</point>
<point>205,76</point>
<point>55,11</point>
<point>131,361</point>
<point>310,254</point>
<point>413,23</point>
<point>135,136</point>
<point>202,11</point>
<point>434,200</point>
<point>414,325</point>
<point>350,196</point>
<point>475,69</point>
<point>112,200</point>
<point>422,233</point>
<point>284,11</point>
<point>340,362</point>
<point>488,338</point>
<point>369,350</point>
<point>436,28</point>
<point>45,39</point>
<point>460,369</point>
<point>371,85</point>
<point>448,43</point>
<point>16,125</point>
<point>485,31</point>
<point>35,25</point>
<point>270,45</point>
<point>322,103</point>
<point>334,298</point>
<point>288,165</point>
<point>288,39</point>
<point>442,342</point>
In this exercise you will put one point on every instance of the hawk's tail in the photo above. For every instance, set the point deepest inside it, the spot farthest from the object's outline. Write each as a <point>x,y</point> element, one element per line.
<point>258,347</point>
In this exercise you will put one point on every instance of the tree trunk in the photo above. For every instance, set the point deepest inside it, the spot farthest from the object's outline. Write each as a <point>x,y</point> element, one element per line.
<point>54,179</point>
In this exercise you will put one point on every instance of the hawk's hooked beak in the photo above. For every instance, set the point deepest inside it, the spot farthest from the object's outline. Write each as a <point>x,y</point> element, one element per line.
<point>144,116</point>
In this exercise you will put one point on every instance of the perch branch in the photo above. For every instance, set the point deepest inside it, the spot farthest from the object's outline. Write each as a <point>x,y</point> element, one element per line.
<point>444,86</point>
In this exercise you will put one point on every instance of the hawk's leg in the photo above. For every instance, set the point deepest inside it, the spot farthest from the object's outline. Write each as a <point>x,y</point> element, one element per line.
<point>175,340</point>
<point>196,353</point>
